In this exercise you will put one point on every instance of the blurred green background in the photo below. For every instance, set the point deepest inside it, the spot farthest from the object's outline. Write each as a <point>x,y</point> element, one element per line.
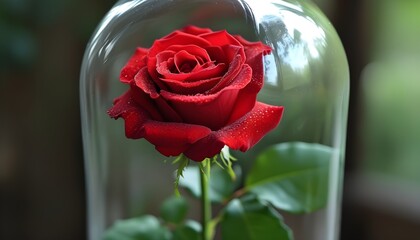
<point>42,193</point>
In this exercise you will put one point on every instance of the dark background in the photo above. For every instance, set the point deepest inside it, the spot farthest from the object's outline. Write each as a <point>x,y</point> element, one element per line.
<point>42,193</point>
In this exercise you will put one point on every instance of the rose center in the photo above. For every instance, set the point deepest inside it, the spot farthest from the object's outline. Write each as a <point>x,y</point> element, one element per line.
<point>187,66</point>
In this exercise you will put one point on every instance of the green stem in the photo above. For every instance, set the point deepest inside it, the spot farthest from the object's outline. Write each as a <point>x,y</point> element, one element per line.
<point>205,199</point>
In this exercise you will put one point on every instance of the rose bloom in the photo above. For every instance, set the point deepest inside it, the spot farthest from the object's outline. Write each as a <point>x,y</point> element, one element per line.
<point>194,91</point>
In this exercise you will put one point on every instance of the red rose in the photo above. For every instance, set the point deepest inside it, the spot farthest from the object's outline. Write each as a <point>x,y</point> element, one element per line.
<point>194,91</point>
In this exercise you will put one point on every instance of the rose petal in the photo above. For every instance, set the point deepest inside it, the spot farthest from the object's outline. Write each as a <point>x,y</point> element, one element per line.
<point>190,88</point>
<point>253,50</point>
<point>220,38</point>
<point>247,96</point>
<point>232,51</point>
<point>206,147</point>
<point>185,62</point>
<point>177,38</point>
<point>143,81</point>
<point>203,74</point>
<point>198,52</point>
<point>172,139</point>
<point>146,84</point>
<point>240,135</point>
<point>212,110</point>
<point>234,68</point>
<point>134,64</point>
<point>134,117</point>
<point>249,129</point>
<point>133,99</point>
<point>195,30</point>
<point>216,54</point>
<point>167,61</point>
<point>241,81</point>
<point>246,99</point>
<point>144,101</point>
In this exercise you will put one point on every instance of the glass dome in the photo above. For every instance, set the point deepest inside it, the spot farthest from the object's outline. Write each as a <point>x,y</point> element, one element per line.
<point>306,72</point>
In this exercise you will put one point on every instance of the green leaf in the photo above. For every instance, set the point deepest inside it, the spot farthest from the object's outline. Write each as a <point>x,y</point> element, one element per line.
<point>191,230</point>
<point>249,219</point>
<point>174,209</point>
<point>142,228</point>
<point>221,184</point>
<point>292,176</point>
